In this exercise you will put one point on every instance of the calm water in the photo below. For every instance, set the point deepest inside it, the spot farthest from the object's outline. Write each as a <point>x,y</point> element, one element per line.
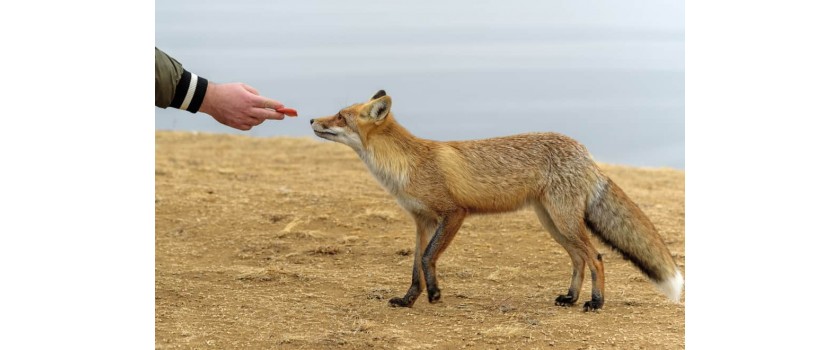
<point>610,76</point>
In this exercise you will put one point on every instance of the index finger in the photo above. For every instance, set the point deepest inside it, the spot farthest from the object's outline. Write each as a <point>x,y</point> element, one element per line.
<point>263,113</point>
<point>268,103</point>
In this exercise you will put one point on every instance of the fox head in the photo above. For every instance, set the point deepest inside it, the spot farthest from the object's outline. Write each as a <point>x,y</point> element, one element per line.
<point>352,125</point>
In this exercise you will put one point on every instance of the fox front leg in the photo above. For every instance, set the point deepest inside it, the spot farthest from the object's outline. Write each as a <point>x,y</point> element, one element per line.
<point>443,236</point>
<point>425,228</point>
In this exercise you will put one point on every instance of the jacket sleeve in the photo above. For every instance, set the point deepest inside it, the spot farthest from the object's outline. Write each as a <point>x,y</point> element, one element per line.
<point>175,86</point>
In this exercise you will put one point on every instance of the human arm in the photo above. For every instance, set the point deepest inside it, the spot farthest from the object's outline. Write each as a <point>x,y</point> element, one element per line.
<point>236,105</point>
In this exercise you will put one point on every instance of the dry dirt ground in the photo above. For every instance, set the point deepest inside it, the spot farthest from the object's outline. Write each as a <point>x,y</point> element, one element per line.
<point>266,243</point>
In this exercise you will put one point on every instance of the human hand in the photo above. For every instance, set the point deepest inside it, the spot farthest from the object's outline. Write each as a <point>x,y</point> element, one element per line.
<point>240,106</point>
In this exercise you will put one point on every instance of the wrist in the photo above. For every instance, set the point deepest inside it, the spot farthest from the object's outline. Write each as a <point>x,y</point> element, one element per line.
<point>209,97</point>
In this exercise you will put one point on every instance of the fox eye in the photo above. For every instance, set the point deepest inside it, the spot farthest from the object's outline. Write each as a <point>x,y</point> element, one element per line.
<point>340,117</point>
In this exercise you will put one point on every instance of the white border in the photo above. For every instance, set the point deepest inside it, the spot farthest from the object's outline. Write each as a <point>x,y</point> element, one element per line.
<point>77,185</point>
<point>762,94</point>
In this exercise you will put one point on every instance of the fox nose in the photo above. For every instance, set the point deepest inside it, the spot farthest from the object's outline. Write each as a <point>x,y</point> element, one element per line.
<point>311,121</point>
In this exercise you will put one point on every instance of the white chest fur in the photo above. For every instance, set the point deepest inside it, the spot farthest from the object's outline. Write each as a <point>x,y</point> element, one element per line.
<point>391,175</point>
<point>394,178</point>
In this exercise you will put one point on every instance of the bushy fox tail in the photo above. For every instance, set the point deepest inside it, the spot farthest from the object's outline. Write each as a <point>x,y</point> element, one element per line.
<point>619,223</point>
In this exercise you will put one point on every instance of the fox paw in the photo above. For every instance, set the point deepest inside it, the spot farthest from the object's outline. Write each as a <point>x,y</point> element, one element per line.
<point>399,302</point>
<point>434,295</point>
<point>593,305</point>
<point>565,300</point>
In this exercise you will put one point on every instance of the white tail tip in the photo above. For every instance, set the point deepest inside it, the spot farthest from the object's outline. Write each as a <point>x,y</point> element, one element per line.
<point>672,287</point>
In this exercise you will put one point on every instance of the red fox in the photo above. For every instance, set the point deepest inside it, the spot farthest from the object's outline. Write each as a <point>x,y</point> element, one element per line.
<point>441,183</point>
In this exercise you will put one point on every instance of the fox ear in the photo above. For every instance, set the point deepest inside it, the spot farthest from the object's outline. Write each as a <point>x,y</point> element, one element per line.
<point>379,108</point>
<point>378,94</point>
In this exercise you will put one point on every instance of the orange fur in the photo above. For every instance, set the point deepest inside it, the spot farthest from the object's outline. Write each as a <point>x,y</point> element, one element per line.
<point>443,182</point>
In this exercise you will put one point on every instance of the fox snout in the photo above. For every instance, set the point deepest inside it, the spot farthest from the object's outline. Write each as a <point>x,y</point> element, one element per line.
<point>324,129</point>
<point>317,127</point>
<point>316,123</point>
<point>336,129</point>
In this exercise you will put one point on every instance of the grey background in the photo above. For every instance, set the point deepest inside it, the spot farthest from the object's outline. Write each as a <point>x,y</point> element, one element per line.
<point>610,74</point>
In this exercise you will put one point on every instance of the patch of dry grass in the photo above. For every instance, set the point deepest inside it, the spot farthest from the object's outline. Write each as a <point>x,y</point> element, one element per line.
<point>281,255</point>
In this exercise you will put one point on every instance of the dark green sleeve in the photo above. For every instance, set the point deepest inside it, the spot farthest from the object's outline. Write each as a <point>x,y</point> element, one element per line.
<point>175,86</point>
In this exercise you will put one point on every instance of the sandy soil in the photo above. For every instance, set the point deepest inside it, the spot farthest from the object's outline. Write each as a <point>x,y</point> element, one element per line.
<point>290,243</point>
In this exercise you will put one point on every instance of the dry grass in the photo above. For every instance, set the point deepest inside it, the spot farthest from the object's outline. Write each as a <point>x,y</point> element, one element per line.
<point>290,243</point>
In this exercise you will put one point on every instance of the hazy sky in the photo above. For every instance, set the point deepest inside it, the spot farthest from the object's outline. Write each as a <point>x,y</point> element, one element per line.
<point>610,74</point>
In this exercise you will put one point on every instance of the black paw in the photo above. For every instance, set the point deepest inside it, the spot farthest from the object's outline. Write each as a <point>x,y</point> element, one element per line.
<point>593,305</point>
<point>434,295</point>
<point>399,302</point>
<point>565,300</point>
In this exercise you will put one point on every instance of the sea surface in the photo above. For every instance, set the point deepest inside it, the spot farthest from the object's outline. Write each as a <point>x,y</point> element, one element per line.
<point>610,75</point>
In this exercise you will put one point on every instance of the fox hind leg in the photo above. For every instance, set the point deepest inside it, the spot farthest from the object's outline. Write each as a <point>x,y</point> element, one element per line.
<point>578,261</point>
<point>597,267</point>
<point>568,219</point>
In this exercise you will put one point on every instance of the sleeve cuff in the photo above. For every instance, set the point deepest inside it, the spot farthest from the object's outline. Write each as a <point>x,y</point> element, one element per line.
<point>190,92</point>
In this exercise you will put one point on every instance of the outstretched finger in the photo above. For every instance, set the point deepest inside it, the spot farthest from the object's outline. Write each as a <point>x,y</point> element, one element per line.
<point>263,102</point>
<point>263,113</point>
